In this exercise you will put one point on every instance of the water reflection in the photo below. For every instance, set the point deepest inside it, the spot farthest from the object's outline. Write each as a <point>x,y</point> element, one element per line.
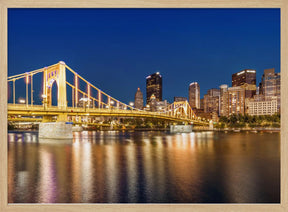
<point>47,182</point>
<point>141,167</point>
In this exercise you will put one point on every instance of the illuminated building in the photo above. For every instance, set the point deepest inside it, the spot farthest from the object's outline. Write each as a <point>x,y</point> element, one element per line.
<point>202,104</point>
<point>200,113</point>
<point>270,85</point>
<point>161,105</point>
<point>85,103</point>
<point>245,76</point>
<point>154,86</point>
<point>223,100</point>
<point>235,100</point>
<point>194,95</point>
<point>152,103</point>
<point>261,106</point>
<point>180,99</point>
<point>213,92</point>
<point>139,99</point>
<point>250,90</point>
<point>211,101</point>
<point>232,100</point>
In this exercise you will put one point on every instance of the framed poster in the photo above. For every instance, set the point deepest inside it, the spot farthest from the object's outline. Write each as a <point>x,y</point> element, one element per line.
<point>143,113</point>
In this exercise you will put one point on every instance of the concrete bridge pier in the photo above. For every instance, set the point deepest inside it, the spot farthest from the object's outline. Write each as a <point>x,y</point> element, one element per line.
<point>55,130</point>
<point>180,128</point>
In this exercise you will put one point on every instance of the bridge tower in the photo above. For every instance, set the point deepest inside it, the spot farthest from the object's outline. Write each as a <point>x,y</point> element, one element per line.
<point>47,129</point>
<point>55,73</point>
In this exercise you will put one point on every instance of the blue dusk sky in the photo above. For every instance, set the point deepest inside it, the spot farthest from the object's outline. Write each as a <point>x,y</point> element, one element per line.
<point>115,49</point>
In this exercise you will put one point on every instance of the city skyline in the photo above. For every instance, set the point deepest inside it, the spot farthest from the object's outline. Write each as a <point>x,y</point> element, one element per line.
<point>82,132</point>
<point>180,49</point>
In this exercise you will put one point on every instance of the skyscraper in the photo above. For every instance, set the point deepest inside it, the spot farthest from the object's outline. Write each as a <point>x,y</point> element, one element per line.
<point>235,100</point>
<point>154,86</point>
<point>202,104</point>
<point>138,99</point>
<point>250,90</point>
<point>245,76</point>
<point>153,103</point>
<point>194,95</point>
<point>270,85</point>
<point>211,101</point>
<point>223,100</point>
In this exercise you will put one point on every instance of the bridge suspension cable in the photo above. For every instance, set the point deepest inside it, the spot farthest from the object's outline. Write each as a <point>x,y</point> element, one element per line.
<point>100,99</point>
<point>110,99</point>
<point>26,75</point>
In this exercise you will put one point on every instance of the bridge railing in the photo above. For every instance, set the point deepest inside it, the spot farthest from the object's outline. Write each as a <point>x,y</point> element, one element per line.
<point>101,101</point>
<point>25,107</point>
<point>39,109</point>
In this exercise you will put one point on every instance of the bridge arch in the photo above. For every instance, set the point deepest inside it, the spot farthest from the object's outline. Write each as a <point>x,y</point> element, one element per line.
<point>52,74</point>
<point>107,105</point>
<point>54,93</point>
<point>180,111</point>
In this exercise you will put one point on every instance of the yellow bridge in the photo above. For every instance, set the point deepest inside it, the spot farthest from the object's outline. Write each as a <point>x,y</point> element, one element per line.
<point>88,106</point>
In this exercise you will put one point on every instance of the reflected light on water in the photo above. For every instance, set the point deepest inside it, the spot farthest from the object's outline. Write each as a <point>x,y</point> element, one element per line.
<point>144,167</point>
<point>11,137</point>
<point>19,137</point>
<point>47,185</point>
<point>76,160</point>
<point>192,139</point>
<point>87,173</point>
<point>26,137</point>
<point>131,173</point>
<point>111,173</point>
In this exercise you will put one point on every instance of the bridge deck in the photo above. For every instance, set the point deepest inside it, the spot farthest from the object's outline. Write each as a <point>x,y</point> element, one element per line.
<point>38,110</point>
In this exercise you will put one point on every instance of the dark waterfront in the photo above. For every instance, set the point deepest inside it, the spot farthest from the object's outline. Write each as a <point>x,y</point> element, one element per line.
<point>145,167</point>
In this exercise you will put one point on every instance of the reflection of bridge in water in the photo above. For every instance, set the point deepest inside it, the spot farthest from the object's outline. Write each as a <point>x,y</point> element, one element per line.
<point>85,105</point>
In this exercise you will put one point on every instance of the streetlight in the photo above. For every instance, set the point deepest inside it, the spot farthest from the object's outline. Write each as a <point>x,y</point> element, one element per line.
<point>111,104</point>
<point>21,101</point>
<point>131,104</point>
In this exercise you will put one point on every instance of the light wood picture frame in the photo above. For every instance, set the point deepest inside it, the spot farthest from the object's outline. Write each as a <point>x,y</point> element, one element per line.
<point>5,4</point>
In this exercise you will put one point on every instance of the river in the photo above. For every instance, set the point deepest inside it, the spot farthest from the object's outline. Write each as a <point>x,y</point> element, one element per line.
<point>144,167</point>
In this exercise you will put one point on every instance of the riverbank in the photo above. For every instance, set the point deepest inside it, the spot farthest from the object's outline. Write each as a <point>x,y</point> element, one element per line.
<point>256,129</point>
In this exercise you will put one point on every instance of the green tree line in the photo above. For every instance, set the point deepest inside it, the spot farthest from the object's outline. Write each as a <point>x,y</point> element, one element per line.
<point>241,121</point>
